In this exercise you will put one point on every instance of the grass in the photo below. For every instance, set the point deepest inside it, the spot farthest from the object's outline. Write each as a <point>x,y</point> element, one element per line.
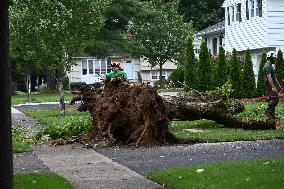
<point>18,142</point>
<point>243,174</point>
<point>39,97</point>
<point>72,124</point>
<point>41,181</point>
<point>76,122</point>
<point>210,131</point>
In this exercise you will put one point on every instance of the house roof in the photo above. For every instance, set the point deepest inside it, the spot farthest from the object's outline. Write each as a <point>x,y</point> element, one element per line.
<point>216,28</point>
<point>230,2</point>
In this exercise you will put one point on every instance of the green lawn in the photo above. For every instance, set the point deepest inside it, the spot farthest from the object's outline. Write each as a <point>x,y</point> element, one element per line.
<point>18,142</point>
<point>41,181</point>
<point>72,124</point>
<point>76,122</point>
<point>209,131</point>
<point>260,174</point>
<point>40,97</point>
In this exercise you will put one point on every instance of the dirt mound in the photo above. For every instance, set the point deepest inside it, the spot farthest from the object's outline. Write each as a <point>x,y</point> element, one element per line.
<point>128,114</point>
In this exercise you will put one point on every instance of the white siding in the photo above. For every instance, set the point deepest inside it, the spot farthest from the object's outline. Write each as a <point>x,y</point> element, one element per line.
<point>275,23</point>
<point>246,34</point>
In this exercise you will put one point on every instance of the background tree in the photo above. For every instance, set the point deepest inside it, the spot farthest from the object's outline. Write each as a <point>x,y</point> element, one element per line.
<point>202,13</point>
<point>260,79</point>
<point>25,40</point>
<point>279,68</point>
<point>189,65</point>
<point>159,33</point>
<point>221,73</point>
<point>60,27</point>
<point>235,75</point>
<point>113,35</point>
<point>204,72</point>
<point>249,89</point>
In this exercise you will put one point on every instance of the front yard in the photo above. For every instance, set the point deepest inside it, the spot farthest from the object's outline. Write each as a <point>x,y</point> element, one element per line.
<point>76,122</point>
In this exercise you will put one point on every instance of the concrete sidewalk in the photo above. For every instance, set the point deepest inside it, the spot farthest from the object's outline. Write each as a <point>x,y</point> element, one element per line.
<point>87,169</point>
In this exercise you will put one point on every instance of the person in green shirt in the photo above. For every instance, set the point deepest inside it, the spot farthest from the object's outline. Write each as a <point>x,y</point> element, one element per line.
<point>270,81</point>
<point>116,72</point>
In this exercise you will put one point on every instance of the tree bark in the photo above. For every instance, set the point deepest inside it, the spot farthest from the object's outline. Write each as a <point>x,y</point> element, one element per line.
<point>61,93</point>
<point>28,86</point>
<point>6,158</point>
<point>195,105</point>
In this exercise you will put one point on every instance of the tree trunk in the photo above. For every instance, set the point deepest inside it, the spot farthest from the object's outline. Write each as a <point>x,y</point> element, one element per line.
<point>61,94</point>
<point>195,105</point>
<point>28,86</point>
<point>51,81</point>
<point>138,115</point>
<point>6,158</point>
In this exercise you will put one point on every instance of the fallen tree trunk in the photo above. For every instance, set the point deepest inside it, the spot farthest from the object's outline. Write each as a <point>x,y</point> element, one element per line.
<point>195,105</point>
<point>136,114</point>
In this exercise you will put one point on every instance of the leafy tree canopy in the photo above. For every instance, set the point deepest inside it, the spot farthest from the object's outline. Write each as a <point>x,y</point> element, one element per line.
<point>202,13</point>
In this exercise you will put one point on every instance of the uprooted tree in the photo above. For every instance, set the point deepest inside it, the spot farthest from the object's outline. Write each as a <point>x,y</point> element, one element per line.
<point>136,114</point>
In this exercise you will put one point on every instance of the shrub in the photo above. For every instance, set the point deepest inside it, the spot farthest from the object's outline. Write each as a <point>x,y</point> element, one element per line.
<point>189,61</point>
<point>204,69</point>
<point>235,75</point>
<point>76,85</point>
<point>248,78</point>
<point>260,83</point>
<point>225,91</point>
<point>177,77</point>
<point>74,127</point>
<point>161,84</point>
<point>221,76</point>
<point>279,68</point>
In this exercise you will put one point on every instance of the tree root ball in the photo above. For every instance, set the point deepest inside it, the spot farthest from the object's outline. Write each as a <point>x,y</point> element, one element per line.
<point>127,114</point>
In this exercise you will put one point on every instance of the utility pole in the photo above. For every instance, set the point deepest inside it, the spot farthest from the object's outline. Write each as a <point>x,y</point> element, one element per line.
<point>6,158</point>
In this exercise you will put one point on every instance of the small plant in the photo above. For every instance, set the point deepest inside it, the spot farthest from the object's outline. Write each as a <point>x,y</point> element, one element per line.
<point>74,127</point>
<point>225,91</point>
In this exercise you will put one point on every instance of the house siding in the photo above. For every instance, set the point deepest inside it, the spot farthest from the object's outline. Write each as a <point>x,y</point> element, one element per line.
<point>246,34</point>
<point>275,23</point>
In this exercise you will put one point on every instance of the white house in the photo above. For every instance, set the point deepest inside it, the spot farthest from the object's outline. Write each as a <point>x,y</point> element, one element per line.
<point>249,24</point>
<point>214,36</point>
<point>254,24</point>
<point>90,69</point>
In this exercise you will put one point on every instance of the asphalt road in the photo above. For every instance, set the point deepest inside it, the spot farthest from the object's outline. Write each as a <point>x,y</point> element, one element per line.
<point>146,160</point>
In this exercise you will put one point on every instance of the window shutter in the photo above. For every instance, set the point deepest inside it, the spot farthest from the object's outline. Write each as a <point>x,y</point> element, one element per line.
<point>228,10</point>
<point>240,13</point>
<point>247,10</point>
<point>260,8</point>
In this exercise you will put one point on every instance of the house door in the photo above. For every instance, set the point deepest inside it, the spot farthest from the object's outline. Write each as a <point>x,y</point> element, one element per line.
<point>128,69</point>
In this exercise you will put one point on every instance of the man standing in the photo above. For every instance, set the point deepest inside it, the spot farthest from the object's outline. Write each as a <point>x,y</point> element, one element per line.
<point>270,82</point>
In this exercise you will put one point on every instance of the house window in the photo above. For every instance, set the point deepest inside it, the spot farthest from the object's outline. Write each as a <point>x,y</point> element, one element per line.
<point>155,75</point>
<point>238,13</point>
<point>103,66</point>
<point>91,66</point>
<point>252,6</point>
<point>84,67</point>
<point>97,66</point>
